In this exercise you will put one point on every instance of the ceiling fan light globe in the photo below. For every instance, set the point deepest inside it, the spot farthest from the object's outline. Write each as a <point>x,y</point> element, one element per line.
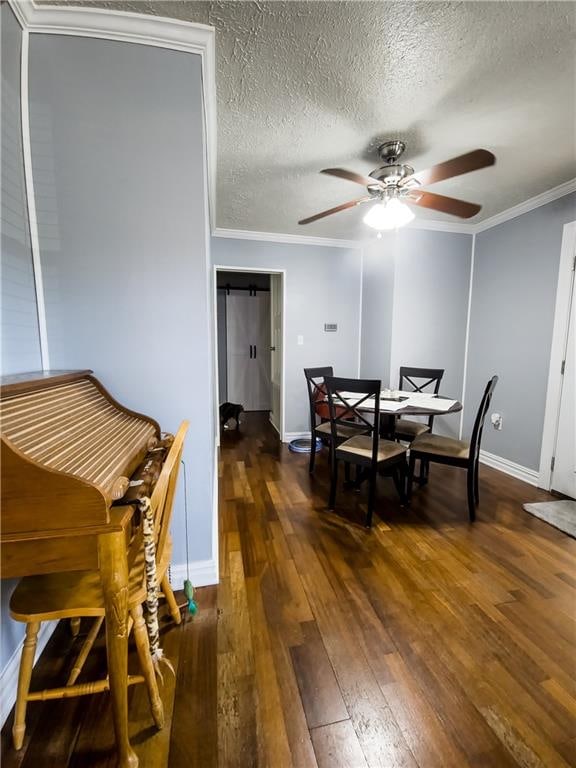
<point>388,215</point>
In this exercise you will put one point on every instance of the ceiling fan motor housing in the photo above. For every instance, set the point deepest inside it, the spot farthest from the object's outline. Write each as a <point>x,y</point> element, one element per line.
<point>392,175</point>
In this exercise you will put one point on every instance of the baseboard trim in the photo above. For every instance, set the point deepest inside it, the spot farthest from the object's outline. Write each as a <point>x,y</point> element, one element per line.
<point>202,573</point>
<point>274,425</point>
<point>9,675</point>
<point>530,476</point>
<point>289,436</point>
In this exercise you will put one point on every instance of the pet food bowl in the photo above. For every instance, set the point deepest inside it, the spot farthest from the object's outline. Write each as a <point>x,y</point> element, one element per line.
<point>304,445</point>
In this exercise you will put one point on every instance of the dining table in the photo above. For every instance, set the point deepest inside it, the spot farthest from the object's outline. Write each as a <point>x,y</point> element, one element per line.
<point>400,404</point>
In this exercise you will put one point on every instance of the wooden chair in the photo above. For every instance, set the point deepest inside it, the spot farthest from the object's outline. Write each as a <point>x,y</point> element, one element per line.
<point>417,380</point>
<point>78,594</point>
<point>367,451</point>
<point>457,453</point>
<point>319,410</point>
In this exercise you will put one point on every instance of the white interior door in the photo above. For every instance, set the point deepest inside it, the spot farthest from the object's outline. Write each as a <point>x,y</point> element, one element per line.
<point>276,348</point>
<point>239,324</point>
<point>564,471</point>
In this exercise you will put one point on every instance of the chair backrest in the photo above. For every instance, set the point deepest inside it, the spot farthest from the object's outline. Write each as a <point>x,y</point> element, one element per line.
<point>162,499</point>
<point>342,410</point>
<point>480,418</point>
<point>316,390</point>
<point>431,378</point>
<point>420,380</point>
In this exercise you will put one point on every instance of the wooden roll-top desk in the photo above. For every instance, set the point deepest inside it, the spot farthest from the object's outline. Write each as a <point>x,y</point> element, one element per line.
<point>68,452</point>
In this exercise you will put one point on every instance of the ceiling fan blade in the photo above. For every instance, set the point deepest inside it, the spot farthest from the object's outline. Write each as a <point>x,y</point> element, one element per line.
<point>445,204</point>
<point>342,173</point>
<point>337,209</point>
<point>472,161</point>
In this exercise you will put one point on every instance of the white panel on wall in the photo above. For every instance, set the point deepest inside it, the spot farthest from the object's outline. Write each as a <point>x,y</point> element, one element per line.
<point>20,341</point>
<point>118,160</point>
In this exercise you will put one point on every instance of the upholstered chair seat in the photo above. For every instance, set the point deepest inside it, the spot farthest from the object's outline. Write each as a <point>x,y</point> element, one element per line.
<point>441,446</point>
<point>361,447</point>
<point>405,429</point>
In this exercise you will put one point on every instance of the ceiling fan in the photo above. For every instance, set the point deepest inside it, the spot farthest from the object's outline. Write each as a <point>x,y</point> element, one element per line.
<point>394,184</point>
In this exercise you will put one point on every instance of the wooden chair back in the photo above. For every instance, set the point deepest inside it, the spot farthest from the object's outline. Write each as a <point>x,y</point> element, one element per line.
<point>480,419</point>
<point>421,380</point>
<point>317,393</point>
<point>162,499</point>
<point>412,376</point>
<point>342,412</point>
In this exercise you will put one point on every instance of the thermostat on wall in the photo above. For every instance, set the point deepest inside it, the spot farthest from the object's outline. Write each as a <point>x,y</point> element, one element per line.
<point>330,327</point>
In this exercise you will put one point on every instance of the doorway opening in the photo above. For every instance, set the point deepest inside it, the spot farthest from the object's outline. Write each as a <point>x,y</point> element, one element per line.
<point>249,341</point>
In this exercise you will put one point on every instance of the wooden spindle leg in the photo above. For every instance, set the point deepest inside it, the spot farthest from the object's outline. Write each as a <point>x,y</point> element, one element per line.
<point>170,599</point>
<point>143,648</point>
<point>114,577</point>
<point>75,626</point>
<point>24,677</point>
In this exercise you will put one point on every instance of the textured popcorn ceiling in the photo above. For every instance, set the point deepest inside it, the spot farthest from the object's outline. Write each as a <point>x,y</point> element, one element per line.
<point>308,85</point>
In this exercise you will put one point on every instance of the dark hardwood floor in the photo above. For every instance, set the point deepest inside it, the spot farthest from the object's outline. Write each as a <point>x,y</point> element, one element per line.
<point>424,642</point>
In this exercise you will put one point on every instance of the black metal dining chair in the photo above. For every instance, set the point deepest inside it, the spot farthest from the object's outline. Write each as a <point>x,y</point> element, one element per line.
<point>417,380</point>
<point>320,415</point>
<point>367,451</point>
<point>457,453</point>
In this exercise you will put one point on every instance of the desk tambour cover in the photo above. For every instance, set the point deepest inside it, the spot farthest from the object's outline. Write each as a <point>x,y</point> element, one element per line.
<point>65,441</point>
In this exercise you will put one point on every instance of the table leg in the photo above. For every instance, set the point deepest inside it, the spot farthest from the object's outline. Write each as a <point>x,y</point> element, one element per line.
<point>387,425</point>
<point>114,576</point>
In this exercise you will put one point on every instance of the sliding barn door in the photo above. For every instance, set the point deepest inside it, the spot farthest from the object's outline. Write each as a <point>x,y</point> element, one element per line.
<point>238,346</point>
<point>248,346</point>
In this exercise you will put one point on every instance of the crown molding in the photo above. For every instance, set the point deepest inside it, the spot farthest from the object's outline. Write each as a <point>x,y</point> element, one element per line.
<point>143,29</point>
<point>528,205</point>
<point>456,227</point>
<point>277,237</point>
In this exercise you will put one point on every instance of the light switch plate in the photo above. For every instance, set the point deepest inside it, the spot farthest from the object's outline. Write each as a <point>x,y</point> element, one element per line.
<point>300,340</point>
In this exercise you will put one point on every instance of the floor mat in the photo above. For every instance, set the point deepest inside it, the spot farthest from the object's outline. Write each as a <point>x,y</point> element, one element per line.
<point>560,514</point>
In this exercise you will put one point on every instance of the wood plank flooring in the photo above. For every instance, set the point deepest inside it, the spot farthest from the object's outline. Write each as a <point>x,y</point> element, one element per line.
<point>426,642</point>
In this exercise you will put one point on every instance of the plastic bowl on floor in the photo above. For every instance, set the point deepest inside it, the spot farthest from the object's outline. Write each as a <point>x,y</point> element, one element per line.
<point>304,445</point>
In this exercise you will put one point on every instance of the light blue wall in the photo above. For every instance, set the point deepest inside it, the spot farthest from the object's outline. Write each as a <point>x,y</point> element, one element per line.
<point>20,350</point>
<point>20,346</point>
<point>514,291</point>
<point>118,153</point>
<point>322,286</point>
<point>415,305</point>
<point>377,310</point>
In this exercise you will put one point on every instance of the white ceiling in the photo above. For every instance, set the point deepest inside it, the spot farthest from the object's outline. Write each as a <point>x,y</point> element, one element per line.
<point>308,85</point>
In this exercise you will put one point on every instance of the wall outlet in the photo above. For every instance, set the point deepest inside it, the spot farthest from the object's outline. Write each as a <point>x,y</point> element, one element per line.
<point>496,419</point>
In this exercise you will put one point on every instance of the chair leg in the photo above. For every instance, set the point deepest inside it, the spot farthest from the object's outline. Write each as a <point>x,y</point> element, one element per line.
<point>371,498</point>
<point>411,468</point>
<point>85,650</point>
<point>312,454</point>
<point>333,483</point>
<point>402,471</point>
<point>171,600</point>
<point>423,479</point>
<point>470,493</point>
<point>143,648</point>
<point>24,677</point>
<point>347,475</point>
<point>476,492</point>
<point>75,626</point>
